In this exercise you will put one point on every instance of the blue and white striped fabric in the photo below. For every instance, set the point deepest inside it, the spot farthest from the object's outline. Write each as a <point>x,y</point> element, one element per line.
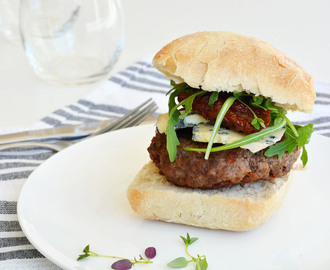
<point>110,99</point>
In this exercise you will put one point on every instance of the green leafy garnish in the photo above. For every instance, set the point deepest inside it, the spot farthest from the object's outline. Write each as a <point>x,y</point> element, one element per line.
<point>213,98</point>
<point>178,86</point>
<point>291,142</point>
<point>172,140</point>
<point>255,101</point>
<point>257,122</point>
<point>181,262</point>
<point>224,109</point>
<point>295,135</point>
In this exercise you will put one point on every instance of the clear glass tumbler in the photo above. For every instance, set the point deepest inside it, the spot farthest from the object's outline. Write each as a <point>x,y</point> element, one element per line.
<point>72,42</point>
<point>9,11</point>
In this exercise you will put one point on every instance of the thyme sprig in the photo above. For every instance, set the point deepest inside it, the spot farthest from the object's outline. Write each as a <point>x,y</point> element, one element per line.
<point>122,263</point>
<point>181,262</point>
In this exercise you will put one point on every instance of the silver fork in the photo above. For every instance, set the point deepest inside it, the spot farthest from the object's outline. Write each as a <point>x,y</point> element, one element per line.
<point>132,118</point>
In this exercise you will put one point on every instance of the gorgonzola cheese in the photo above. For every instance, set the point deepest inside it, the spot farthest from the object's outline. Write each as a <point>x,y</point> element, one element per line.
<point>190,120</point>
<point>203,132</point>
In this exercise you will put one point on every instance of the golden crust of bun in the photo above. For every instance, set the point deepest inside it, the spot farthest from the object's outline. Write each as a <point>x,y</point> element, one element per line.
<point>237,208</point>
<point>224,61</point>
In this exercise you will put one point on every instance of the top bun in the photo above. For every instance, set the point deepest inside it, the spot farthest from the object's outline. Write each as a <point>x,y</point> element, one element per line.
<point>224,61</point>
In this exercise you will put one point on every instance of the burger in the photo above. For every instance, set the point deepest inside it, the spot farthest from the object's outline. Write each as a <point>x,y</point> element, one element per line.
<point>222,157</point>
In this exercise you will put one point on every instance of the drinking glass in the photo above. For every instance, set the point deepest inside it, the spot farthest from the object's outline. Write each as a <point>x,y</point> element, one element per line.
<point>72,42</point>
<point>9,10</point>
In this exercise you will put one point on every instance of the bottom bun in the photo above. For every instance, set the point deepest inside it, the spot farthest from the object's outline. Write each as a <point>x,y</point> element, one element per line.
<point>236,208</point>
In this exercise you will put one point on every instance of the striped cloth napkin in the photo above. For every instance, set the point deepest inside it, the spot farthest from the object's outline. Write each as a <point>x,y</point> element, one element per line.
<point>110,99</point>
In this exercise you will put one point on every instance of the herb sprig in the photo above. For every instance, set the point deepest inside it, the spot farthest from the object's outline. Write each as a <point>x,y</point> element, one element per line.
<point>122,263</point>
<point>181,262</point>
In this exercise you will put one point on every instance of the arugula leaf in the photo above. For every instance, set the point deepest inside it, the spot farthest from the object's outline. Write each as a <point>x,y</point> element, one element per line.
<point>288,144</point>
<point>304,156</point>
<point>213,98</point>
<point>172,140</point>
<point>291,142</point>
<point>224,109</point>
<point>295,135</point>
<point>257,122</point>
<point>240,95</point>
<point>255,101</point>
<point>178,86</point>
<point>304,134</point>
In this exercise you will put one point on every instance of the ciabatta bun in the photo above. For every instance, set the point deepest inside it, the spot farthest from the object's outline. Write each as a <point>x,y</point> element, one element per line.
<point>224,61</point>
<point>237,208</point>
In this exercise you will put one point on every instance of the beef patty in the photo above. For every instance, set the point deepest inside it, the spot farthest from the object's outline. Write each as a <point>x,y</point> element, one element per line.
<point>222,169</point>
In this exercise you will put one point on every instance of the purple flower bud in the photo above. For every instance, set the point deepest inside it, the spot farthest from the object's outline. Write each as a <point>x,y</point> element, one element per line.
<point>122,264</point>
<point>150,252</point>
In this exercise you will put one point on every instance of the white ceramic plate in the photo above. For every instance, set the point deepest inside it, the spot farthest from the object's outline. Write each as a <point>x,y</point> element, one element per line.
<point>78,197</point>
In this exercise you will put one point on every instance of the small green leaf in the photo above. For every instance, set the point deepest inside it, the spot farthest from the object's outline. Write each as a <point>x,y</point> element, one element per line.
<point>261,122</point>
<point>213,98</point>
<point>280,148</point>
<point>255,123</point>
<point>82,256</point>
<point>304,134</point>
<point>172,140</point>
<point>239,95</point>
<point>184,240</point>
<point>201,264</point>
<point>304,156</point>
<point>192,240</point>
<point>178,86</point>
<point>188,241</point>
<point>179,262</point>
<point>188,238</point>
<point>86,249</point>
<point>277,120</point>
<point>257,100</point>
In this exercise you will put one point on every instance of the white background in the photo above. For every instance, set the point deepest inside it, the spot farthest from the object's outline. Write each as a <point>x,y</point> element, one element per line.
<point>299,28</point>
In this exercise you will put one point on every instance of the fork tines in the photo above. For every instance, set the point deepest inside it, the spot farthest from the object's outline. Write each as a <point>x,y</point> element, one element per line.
<point>133,118</point>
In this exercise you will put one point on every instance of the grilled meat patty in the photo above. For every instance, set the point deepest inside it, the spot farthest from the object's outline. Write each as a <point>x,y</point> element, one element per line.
<point>222,169</point>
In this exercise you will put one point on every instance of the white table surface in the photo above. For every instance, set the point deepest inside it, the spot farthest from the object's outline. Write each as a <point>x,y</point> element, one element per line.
<point>299,28</point>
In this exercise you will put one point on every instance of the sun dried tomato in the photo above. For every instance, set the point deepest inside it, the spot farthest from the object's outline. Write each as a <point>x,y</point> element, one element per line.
<point>238,117</point>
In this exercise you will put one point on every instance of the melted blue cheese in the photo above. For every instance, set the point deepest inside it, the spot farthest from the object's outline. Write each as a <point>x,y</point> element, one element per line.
<point>190,120</point>
<point>203,132</point>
